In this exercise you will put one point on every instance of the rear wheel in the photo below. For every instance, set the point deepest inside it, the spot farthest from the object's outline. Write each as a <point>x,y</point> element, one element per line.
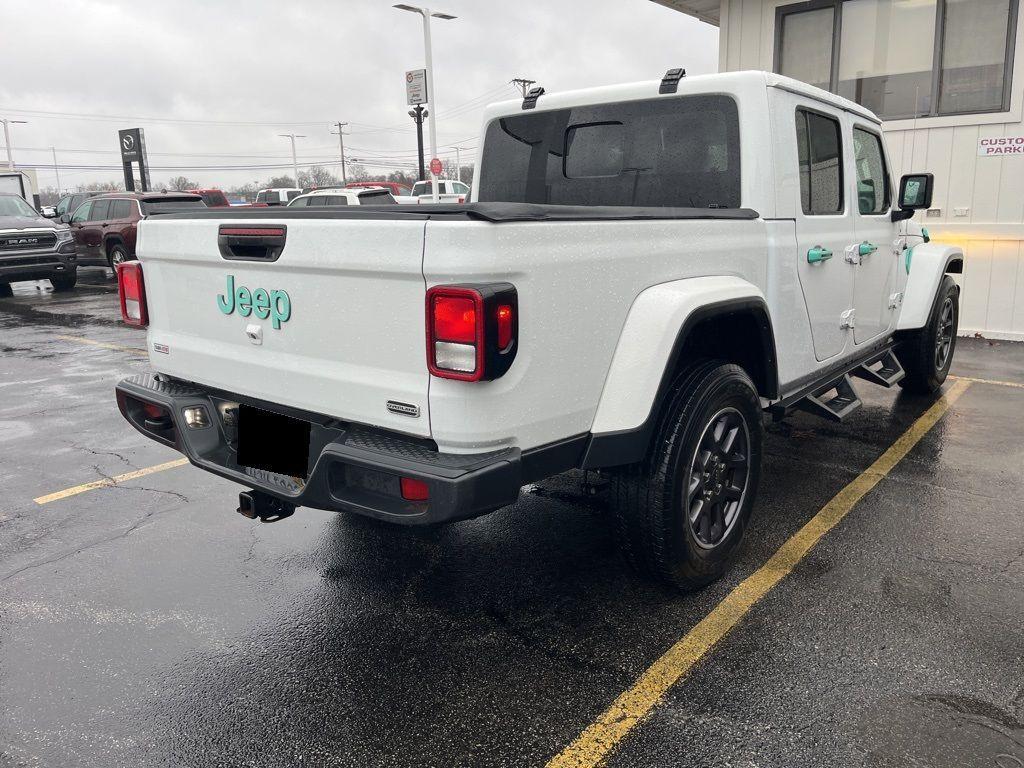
<point>682,511</point>
<point>117,254</point>
<point>64,282</point>
<point>927,354</point>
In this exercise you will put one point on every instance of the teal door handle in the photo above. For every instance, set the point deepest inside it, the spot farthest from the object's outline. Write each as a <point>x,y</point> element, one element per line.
<point>866,248</point>
<point>817,254</point>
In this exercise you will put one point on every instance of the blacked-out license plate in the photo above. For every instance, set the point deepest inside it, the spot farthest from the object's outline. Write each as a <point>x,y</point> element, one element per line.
<point>273,442</point>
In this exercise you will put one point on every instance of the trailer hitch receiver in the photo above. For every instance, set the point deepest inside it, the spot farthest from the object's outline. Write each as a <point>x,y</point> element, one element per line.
<point>267,508</point>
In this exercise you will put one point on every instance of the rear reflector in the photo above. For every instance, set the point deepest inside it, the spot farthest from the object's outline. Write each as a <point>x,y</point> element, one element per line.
<point>153,411</point>
<point>415,490</point>
<point>132,292</point>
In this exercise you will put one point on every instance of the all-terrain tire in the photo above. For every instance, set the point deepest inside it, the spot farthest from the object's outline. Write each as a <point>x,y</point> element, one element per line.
<point>926,354</point>
<point>654,500</point>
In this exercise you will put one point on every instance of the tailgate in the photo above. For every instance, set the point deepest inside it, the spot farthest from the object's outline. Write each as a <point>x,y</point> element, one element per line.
<point>342,331</point>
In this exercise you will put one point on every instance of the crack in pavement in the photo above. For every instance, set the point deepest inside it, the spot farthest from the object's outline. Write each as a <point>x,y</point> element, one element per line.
<point>94,452</point>
<point>100,540</point>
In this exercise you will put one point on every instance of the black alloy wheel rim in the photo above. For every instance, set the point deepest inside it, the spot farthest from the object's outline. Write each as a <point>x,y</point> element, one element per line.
<point>718,476</point>
<point>944,335</point>
<point>117,257</point>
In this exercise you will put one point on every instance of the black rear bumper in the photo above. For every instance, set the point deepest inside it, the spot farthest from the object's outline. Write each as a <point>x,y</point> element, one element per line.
<point>351,467</point>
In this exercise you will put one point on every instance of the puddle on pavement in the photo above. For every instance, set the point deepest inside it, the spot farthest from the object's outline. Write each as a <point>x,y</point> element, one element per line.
<point>937,731</point>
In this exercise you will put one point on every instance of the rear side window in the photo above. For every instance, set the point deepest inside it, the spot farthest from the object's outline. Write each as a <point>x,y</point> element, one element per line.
<point>379,197</point>
<point>335,200</point>
<point>820,152</point>
<point>120,209</point>
<point>872,175</point>
<point>265,197</point>
<point>100,210</point>
<point>677,152</point>
<point>293,193</point>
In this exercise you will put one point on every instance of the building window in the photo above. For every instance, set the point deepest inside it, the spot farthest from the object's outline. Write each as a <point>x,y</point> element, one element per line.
<point>902,58</point>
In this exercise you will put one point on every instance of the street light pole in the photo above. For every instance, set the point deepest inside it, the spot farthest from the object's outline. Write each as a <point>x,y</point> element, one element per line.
<point>458,164</point>
<point>418,114</point>
<point>341,149</point>
<point>295,162</point>
<point>7,139</point>
<point>426,13</point>
<point>55,168</point>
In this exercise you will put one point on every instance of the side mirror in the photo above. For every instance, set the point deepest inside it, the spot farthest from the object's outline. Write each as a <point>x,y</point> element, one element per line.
<point>48,212</point>
<point>65,218</point>
<point>915,194</point>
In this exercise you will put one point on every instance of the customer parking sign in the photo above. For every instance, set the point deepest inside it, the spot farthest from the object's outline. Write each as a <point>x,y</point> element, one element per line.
<point>1000,145</point>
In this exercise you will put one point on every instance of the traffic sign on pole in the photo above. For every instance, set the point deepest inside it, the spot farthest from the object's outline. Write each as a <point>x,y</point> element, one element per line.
<point>435,166</point>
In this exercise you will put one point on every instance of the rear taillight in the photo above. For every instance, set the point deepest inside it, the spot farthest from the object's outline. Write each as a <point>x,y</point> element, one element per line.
<point>471,331</point>
<point>132,291</point>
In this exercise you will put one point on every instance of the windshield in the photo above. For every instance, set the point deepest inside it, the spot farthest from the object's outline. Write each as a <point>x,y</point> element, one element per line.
<point>675,152</point>
<point>15,206</point>
<point>171,206</point>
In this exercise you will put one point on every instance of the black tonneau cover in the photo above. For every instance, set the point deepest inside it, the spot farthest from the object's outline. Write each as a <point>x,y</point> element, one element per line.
<point>493,212</point>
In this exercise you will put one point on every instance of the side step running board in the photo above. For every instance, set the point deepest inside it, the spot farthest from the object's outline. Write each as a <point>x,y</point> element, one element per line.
<point>836,408</point>
<point>884,370</point>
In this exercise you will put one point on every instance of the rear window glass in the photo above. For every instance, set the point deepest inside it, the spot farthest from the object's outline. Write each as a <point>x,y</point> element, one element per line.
<point>120,209</point>
<point>215,198</point>
<point>383,197</point>
<point>266,197</point>
<point>171,206</point>
<point>678,152</point>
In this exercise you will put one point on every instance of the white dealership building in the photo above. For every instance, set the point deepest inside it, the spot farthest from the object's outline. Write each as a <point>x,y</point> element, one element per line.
<point>947,77</point>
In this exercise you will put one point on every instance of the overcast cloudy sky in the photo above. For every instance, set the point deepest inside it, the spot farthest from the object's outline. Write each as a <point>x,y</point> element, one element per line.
<point>214,82</point>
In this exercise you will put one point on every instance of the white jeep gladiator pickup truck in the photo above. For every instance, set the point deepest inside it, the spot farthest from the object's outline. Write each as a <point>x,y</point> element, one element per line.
<point>647,274</point>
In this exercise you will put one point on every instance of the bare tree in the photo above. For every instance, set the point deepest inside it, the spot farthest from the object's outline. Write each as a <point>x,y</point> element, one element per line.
<point>181,183</point>
<point>280,181</point>
<point>317,176</point>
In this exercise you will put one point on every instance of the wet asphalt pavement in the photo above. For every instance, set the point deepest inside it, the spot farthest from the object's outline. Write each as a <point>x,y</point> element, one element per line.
<point>147,624</point>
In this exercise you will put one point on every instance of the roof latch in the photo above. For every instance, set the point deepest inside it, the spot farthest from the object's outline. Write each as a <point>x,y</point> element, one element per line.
<point>531,98</point>
<point>670,82</point>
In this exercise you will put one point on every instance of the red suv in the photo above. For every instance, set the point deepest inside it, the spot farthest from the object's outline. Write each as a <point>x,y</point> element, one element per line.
<point>398,190</point>
<point>104,226</point>
<point>214,198</point>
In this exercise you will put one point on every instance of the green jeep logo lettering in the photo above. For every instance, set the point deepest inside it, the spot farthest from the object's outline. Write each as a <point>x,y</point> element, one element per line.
<point>276,305</point>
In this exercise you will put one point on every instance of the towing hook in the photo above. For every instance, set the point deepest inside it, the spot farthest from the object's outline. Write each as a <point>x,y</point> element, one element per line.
<point>267,508</point>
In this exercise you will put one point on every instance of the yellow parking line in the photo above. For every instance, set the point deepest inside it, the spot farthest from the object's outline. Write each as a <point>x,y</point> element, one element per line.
<point>631,707</point>
<point>104,344</point>
<point>108,481</point>
<point>989,381</point>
